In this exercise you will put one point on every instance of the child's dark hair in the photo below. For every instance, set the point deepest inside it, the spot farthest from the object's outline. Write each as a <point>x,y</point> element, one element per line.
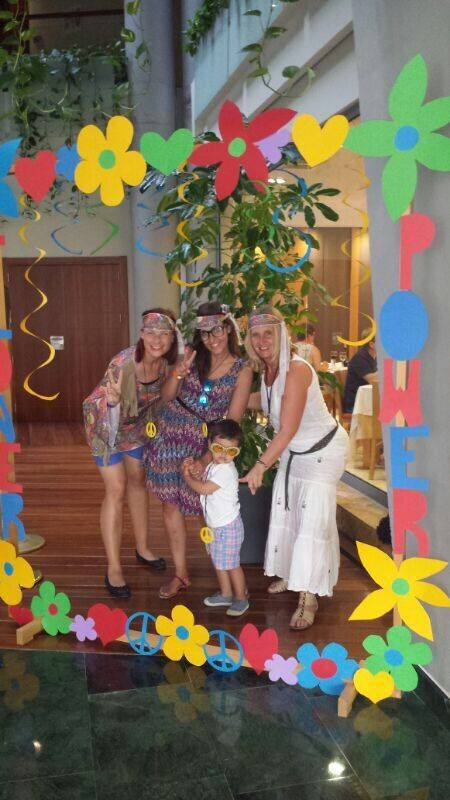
<point>226,428</point>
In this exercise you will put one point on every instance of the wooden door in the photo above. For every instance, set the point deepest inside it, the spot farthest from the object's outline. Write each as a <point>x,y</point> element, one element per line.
<point>88,307</point>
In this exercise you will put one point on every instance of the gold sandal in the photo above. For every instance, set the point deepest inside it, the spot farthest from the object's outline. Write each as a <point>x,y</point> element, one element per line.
<point>165,592</point>
<point>277,587</point>
<point>304,615</point>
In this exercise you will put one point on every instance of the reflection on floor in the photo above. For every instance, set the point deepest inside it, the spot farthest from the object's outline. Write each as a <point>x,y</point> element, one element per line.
<point>91,726</point>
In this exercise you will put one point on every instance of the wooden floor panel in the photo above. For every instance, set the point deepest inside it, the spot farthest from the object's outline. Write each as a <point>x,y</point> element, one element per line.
<point>62,496</point>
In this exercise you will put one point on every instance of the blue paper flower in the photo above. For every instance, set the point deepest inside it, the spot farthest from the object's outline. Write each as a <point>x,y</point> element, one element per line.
<point>328,671</point>
<point>8,203</point>
<point>68,159</point>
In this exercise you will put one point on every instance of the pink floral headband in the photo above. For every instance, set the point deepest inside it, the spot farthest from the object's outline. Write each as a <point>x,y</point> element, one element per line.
<point>207,323</point>
<point>156,320</point>
<point>263,319</point>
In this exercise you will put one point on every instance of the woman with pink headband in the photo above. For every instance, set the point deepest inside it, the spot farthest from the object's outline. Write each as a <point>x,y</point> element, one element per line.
<point>303,543</point>
<point>116,415</point>
<point>214,385</point>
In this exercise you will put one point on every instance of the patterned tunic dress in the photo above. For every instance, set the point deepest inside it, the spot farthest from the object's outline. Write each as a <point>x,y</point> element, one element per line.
<point>108,432</point>
<point>180,434</point>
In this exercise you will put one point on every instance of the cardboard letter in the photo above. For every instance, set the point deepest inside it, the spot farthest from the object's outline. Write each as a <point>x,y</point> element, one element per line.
<point>6,423</point>
<point>400,457</point>
<point>408,509</point>
<point>5,367</point>
<point>416,234</point>
<point>5,467</point>
<point>12,505</point>
<point>405,400</point>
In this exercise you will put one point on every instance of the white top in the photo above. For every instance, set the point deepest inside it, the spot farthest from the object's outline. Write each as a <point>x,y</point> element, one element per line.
<point>316,421</point>
<point>222,506</point>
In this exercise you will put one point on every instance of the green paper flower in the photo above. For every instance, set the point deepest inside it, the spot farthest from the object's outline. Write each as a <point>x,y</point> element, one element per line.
<point>408,139</point>
<point>397,656</point>
<point>52,607</point>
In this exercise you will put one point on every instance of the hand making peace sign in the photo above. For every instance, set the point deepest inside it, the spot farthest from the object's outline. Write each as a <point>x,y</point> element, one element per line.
<point>113,388</point>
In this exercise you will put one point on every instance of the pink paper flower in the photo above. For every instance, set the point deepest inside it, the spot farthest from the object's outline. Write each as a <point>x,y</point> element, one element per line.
<point>282,668</point>
<point>83,628</point>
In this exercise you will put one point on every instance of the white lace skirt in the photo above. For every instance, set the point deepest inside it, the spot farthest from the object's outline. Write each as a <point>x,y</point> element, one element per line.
<point>303,542</point>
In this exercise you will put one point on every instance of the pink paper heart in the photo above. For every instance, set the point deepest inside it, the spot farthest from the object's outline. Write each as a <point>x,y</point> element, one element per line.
<point>258,649</point>
<point>36,175</point>
<point>109,623</point>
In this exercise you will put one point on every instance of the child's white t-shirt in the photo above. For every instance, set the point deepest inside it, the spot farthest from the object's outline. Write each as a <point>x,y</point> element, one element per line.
<point>222,506</point>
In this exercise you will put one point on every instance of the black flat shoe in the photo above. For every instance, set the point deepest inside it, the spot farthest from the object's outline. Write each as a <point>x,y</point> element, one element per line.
<point>156,563</point>
<point>118,591</point>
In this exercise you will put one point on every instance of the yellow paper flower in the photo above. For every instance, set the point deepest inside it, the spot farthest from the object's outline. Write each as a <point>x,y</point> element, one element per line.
<point>402,587</point>
<point>14,573</point>
<point>107,162</point>
<point>184,638</point>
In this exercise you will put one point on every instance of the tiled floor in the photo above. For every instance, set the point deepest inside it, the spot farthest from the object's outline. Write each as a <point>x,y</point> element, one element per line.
<point>119,727</point>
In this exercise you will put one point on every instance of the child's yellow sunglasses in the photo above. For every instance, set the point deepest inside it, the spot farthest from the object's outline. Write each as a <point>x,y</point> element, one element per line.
<point>218,449</point>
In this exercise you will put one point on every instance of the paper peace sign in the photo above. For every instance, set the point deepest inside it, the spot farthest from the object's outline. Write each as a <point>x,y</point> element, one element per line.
<point>206,535</point>
<point>141,643</point>
<point>225,660</point>
<point>150,430</point>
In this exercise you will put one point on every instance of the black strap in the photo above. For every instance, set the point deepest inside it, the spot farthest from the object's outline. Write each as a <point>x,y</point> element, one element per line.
<point>317,446</point>
<point>190,410</point>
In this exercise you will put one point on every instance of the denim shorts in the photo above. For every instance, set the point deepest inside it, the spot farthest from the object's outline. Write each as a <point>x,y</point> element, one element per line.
<point>117,458</point>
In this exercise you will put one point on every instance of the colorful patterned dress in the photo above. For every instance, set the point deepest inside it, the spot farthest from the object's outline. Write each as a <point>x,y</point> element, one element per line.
<point>180,434</point>
<point>109,432</point>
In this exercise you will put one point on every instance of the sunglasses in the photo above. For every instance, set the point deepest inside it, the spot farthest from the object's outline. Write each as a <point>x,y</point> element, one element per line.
<point>219,449</point>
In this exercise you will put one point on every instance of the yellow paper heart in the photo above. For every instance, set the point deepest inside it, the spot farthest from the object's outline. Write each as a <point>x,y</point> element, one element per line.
<point>317,144</point>
<point>375,687</point>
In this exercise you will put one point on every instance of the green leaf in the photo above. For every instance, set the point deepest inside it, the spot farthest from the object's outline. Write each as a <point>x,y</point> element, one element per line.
<point>290,72</point>
<point>255,12</point>
<point>133,6</point>
<point>273,31</point>
<point>140,50</point>
<point>27,35</point>
<point>250,48</point>
<point>257,73</point>
<point>328,212</point>
<point>310,217</point>
<point>127,35</point>
<point>409,90</point>
<point>6,15</point>
<point>328,192</point>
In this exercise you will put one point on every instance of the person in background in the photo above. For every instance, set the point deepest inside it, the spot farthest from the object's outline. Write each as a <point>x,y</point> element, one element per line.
<point>306,348</point>
<point>116,415</point>
<point>362,370</point>
<point>219,497</point>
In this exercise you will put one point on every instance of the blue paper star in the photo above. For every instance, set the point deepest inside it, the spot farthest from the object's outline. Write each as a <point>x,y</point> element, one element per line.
<point>8,203</point>
<point>68,159</point>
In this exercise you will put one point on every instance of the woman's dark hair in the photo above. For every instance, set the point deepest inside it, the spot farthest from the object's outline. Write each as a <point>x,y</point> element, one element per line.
<point>226,428</point>
<point>203,357</point>
<point>309,330</point>
<point>384,530</point>
<point>172,354</point>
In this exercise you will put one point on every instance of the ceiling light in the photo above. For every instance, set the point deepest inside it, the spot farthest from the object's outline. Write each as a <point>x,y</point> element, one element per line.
<point>336,768</point>
<point>280,180</point>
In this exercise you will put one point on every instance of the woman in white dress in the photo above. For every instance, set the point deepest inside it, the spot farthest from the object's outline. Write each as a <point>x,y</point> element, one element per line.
<point>303,543</point>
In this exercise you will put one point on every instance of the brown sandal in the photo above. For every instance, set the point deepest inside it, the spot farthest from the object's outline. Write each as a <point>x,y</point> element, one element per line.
<point>304,615</point>
<point>165,593</point>
<point>277,587</point>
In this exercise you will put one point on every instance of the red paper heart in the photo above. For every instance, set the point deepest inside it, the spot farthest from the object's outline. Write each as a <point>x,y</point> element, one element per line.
<point>257,649</point>
<point>109,623</point>
<point>20,614</point>
<point>36,175</point>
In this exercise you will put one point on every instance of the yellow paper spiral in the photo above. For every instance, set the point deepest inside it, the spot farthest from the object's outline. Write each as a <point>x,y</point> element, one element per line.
<point>43,302</point>
<point>365,268</point>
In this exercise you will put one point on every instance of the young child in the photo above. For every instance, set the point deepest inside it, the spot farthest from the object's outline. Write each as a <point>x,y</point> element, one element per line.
<point>219,498</point>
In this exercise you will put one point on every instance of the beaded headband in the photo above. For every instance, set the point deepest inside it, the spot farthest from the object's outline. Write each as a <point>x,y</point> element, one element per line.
<point>263,319</point>
<point>207,323</point>
<point>156,320</point>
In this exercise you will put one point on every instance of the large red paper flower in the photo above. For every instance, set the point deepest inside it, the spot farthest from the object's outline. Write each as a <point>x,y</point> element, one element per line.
<point>238,148</point>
